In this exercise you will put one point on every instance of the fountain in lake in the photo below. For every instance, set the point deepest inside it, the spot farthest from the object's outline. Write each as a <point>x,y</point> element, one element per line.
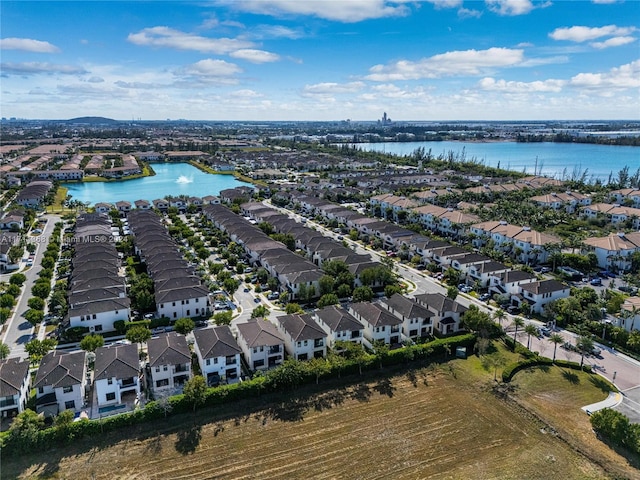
<point>184,179</point>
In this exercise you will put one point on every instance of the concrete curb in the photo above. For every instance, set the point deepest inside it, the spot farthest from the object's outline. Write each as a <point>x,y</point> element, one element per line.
<point>614,399</point>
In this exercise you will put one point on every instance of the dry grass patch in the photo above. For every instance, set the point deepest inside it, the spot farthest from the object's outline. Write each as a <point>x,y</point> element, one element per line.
<point>424,424</point>
<point>557,395</point>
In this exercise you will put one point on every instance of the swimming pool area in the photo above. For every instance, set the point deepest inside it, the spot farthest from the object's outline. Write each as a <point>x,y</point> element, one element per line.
<point>111,409</point>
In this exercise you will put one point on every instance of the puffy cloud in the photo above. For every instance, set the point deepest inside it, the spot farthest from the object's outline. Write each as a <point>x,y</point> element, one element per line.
<point>95,79</point>
<point>168,37</point>
<point>446,3</point>
<point>623,77</point>
<point>582,34</point>
<point>277,31</point>
<point>612,42</point>
<point>331,88</point>
<point>255,56</point>
<point>458,63</point>
<point>510,7</point>
<point>551,85</point>
<point>209,70</point>
<point>33,68</point>
<point>27,45</point>
<point>348,12</point>
<point>468,13</point>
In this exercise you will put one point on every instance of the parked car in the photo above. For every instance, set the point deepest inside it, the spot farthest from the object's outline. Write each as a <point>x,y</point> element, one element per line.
<point>513,310</point>
<point>485,297</point>
<point>256,300</point>
<point>597,281</point>
<point>545,331</point>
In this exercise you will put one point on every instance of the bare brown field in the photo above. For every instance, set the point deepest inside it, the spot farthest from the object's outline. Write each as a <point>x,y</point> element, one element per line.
<point>422,425</point>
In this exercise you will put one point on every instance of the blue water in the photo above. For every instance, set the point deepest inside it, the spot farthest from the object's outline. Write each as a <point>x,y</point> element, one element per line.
<point>170,179</point>
<point>558,160</point>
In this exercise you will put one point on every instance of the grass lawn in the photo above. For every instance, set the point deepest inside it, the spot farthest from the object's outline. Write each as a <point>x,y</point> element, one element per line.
<point>443,421</point>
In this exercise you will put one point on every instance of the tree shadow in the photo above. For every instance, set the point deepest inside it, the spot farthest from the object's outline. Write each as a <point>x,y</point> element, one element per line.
<point>328,400</point>
<point>413,378</point>
<point>571,377</point>
<point>361,392</point>
<point>600,383</point>
<point>290,411</point>
<point>154,446</point>
<point>188,440</point>
<point>385,387</point>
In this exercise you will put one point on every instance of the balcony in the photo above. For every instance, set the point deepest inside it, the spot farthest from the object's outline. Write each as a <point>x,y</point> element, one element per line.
<point>395,329</point>
<point>274,349</point>
<point>355,334</point>
<point>318,342</point>
<point>231,360</point>
<point>181,368</point>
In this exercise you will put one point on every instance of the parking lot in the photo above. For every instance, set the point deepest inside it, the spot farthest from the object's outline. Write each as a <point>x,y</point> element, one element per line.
<point>630,405</point>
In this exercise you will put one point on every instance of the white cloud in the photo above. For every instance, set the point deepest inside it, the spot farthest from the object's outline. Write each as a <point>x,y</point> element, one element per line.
<point>445,3</point>
<point>613,42</point>
<point>135,85</point>
<point>350,11</point>
<point>255,56</point>
<point>536,62</point>
<point>27,45</point>
<point>168,37</point>
<point>209,70</point>
<point>510,7</point>
<point>32,68</point>
<point>456,63</point>
<point>277,31</point>
<point>604,2</point>
<point>245,94</point>
<point>468,13</point>
<point>551,85</point>
<point>95,79</point>
<point>623,77</point>
<point>582,34</point>
<point>331,88</point>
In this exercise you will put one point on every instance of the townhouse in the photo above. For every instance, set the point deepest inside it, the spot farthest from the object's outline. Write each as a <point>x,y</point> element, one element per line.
<point>117,378</point>
<point>303,337</point>
<point>380,325</point>
<point>339,325</point>
<point>218,354</point>
<point>14,386</point>
<point>447,313</point>
<point>614,252</point>
<point>540,293</point>
<point>61,382</point>
<point>169,364</point>
<point>261,343</point>
<point>416,319</point>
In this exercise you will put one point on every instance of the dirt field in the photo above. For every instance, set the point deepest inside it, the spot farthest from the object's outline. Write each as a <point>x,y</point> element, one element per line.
<point>425,425</point>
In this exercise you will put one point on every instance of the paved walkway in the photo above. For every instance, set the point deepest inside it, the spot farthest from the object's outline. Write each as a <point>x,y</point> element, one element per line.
<point>611,401</point>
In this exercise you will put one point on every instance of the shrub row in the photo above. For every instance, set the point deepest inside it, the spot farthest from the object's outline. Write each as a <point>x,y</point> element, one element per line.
<point>513,368</point>
<point>262,383</point>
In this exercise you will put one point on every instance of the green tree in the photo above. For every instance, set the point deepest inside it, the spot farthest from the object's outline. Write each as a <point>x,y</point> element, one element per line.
<point>286,376</point>
<point>36,303</point>
<point>184,325</point>
<point>260,311</point>
<point>4,350</point>
<point>223,318</point>
<point>291,308</point>
<point>4,314</point>
<point>7,301</point>
<point>500,315</point>
<point>24,429</point>
<point>477,321</point>
<point>452,292</point>
<point>34,317</point>
<point>555,338</point>
<point>138,334</point>
<point>92,342</point>
<point>584,346</point>
<point>517,322</point>
<point>493,361</point>
<point>17,279</point>
<point>352,351</point>
<point>36,349</point>
<point>382,351</point>
<point>362,294</point>
<point>318,366</point>
<point>326,284</point>
<point>328,299</point>
<point>195,391</point>
<point>530,329</point>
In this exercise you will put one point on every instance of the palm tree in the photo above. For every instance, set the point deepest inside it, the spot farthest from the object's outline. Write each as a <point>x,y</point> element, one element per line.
<point>499,315</point>
<point>518,322</point>
<point>530,329</point>
<point>555,338</point>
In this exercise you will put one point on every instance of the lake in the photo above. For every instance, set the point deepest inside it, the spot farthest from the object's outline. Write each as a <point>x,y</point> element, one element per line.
<point>558,160</point>
<point>170,179</point>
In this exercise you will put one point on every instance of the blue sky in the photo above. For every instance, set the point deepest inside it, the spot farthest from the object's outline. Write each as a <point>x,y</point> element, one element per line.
<point>321,59</point>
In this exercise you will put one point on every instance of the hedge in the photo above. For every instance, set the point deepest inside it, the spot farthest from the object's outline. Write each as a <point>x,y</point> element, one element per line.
<point>220,395</point>
<point>513,368</point>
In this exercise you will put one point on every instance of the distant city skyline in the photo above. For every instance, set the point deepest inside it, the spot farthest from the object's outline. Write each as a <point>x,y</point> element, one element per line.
<point>323,60</point>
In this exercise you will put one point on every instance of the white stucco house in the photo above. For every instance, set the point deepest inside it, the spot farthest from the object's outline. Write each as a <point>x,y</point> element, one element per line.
<point>117,376</point>
<point>14,386</point>
<point>61,382</point>
<point>169,364</point>
<point>261,343</point>
<point>218,354</point>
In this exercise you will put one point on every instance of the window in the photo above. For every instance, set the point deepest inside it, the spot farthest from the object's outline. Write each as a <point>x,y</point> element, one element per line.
<point>208,362</point>
<point>157,369</point>
<point>258,364</point>
<point>67,390</point>
<point>116,312</point>
<point>98,328</point>
<point>215,360</point>
<point>306,342</point>
<point>41,390</point>
<point>162,383</point>
<point>111,396</point>
<point>110,381</point>
<point>70,405</point>
<point>197,302</point>
<point>162,305</point>
<point>165,368</point>
<point>188,312</point>
<point>173,304</point>
<point>94,316</point>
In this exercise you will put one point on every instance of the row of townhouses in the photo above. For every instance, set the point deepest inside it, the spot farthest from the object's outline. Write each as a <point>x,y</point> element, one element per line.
<point>97,285</point>
<point>178,290</point>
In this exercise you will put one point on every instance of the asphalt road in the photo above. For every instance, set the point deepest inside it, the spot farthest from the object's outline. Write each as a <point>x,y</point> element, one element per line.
<point>17,330</point>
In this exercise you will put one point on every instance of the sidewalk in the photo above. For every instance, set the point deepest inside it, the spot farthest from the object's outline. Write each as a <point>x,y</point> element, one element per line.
<point>614,399</point>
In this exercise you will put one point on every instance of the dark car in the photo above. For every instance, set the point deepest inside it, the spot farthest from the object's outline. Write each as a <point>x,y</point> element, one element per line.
<point>513,310</point>
<point>485,297</point>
